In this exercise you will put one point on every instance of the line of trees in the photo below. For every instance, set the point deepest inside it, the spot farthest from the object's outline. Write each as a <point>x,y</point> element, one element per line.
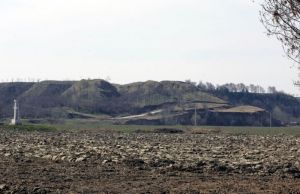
<point>232,87</point>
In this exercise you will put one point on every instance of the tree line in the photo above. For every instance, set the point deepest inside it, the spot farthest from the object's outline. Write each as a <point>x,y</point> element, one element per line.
<point>232,87</point>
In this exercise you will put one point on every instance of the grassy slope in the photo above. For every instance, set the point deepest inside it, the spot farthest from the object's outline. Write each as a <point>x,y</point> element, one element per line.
<point>9,92</point>
<point>152,93</point>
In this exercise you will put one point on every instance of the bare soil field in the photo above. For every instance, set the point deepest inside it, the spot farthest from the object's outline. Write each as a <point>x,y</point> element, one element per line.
<point>112,162</point>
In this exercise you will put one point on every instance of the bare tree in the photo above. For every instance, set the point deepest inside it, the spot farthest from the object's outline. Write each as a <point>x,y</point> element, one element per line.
<point>272,90</point>
<point>281,18</point>
<point>252,88</point>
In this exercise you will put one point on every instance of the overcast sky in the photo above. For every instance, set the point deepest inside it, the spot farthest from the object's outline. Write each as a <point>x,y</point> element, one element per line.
<point>137,40</point>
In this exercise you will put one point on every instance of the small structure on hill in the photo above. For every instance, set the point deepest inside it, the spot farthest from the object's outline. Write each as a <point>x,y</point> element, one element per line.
<point>16,119</point>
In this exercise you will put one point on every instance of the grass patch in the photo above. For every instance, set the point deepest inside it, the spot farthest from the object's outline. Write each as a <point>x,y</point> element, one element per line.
<point>45,128</point>
<point>100,125</point>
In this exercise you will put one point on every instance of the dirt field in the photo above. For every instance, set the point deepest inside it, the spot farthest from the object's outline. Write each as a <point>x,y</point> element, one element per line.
<point>103,162</point>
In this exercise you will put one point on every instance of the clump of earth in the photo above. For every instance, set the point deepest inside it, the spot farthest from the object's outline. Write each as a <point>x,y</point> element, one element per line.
<point>161,162</point>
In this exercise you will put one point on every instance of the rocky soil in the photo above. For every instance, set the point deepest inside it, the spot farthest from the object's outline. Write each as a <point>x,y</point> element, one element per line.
<point>103,162</point>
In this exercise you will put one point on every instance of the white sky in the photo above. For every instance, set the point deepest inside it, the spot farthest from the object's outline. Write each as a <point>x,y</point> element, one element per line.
<point>137,40</point>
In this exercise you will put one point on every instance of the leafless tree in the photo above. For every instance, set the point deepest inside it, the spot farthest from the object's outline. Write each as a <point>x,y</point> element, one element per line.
<point>281,18</point>
<point>272,90</point>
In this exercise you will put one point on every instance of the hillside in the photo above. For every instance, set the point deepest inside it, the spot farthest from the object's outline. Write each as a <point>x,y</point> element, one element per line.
<point>283,107</point>
<point>146,96</point>
<point>49,98</point>
<point>166,102</point>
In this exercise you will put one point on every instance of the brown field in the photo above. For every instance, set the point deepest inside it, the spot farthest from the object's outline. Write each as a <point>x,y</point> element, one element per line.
<point>114,162</point>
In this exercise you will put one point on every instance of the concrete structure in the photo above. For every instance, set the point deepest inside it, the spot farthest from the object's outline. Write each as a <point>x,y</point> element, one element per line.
<point>16,119</point>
